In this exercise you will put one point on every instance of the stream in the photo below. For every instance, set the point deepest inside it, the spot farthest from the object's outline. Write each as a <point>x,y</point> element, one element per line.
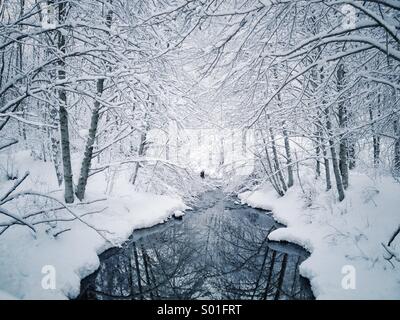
<point>219,250</point>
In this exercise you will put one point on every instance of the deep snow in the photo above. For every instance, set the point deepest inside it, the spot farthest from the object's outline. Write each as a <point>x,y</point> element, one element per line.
<point>336,234</point>
<point>74,253</point>
<point>339,235</point>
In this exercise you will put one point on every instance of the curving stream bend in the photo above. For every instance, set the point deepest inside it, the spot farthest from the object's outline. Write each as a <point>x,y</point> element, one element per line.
<point>219,250</point>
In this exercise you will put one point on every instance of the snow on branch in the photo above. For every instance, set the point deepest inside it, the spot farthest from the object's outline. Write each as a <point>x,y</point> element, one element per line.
<point>8,144</point>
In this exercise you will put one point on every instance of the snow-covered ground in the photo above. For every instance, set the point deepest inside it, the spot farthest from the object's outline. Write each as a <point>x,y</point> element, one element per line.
<point>27,258</point>
<point>344,239</point>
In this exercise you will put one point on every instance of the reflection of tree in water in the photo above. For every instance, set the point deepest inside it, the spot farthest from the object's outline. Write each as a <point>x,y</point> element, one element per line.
<point>217,254</point>
<point>247,268</point>
<point>158,268</point>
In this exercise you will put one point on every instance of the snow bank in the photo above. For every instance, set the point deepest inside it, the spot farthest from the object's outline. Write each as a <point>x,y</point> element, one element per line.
<point>25,258</point>
<point>339,235</point>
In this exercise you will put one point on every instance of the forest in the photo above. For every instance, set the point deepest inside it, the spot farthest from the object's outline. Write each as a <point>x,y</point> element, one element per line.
<point>117,115</point>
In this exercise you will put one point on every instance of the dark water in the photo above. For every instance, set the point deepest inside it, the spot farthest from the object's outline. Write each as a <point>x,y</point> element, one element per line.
<point>219,250</point>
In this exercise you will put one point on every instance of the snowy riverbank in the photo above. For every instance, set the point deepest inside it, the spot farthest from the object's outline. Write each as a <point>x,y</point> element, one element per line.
<point>339,235</point>
<point>74,252</point>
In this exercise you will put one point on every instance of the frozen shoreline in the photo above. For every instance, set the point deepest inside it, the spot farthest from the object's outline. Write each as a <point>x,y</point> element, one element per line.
<point>73,253</point>
<point>339,235</point>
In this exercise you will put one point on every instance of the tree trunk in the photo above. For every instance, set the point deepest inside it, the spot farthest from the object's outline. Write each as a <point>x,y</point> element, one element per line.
<point>288,156</point>
<point>335,164</point>
<point>286,141</point>
<point>327,168</point>
<point>343,165</point>
<point>140,153</point>
<point>273,178</point>
<point>396,129</point>
<point>276,158</point>
<point>87,159</point>
<point>352,155</point>
<point>55,145</point>
<point>64,131</point>
<point>323,146</point>
<point>317,155</point>
<point>19,63</point>
<point>376,140</point>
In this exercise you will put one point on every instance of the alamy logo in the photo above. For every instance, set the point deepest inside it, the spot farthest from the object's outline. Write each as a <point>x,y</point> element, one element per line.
<point>349,19</point>
<point>349,279</point>
<point>49,278</point>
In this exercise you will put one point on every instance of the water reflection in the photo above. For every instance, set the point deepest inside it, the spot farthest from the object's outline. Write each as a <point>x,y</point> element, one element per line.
<point>221,252</point>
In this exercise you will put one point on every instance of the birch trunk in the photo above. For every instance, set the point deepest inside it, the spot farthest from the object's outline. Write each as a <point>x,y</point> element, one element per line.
<point>62,95</point>
<point>396,129</point>
<point>140,153</point>
<point>288,156</point>
<point>327,169</point>
<point>323,146</point>
<point>317,155</point>
<point>276,158</point>
<point>376,139</point>
<point>343,165</point>
<point>273,178</point>
<point>335,163</point>
<point>286,142</point>
<point>352,154</point>
<point>55,146</point>
<point>87,159</point>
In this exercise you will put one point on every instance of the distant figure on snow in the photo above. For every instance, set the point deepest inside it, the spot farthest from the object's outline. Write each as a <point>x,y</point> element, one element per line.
<point>202,174</point>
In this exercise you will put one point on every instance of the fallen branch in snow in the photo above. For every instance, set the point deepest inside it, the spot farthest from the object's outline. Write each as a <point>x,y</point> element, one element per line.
<point>395,234</point>
<point>6,212</point>
<point>391,252</point>
<point>11,223</point>
<point>33,193</point>
<point>60,232</point>
<point>9,196</point>
<point>15,186</point>
<point>8,144</point>
<point>11,215</point>
<point>32,214</point>
<point>69,219</point>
